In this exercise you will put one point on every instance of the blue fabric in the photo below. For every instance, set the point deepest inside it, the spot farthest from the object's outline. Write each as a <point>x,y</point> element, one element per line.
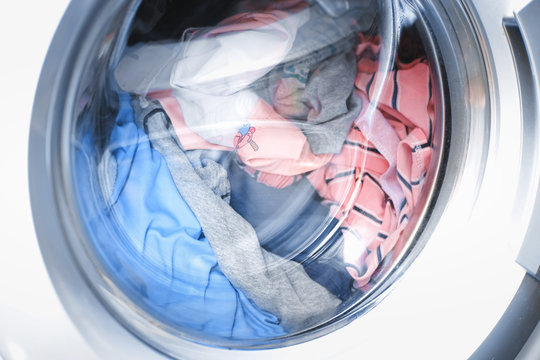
<point>159,255</point>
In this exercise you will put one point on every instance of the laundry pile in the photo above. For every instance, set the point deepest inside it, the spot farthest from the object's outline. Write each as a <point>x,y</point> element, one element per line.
<point>264,168</point>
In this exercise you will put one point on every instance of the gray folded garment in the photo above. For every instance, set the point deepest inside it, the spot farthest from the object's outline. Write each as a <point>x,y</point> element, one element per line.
<point>330,104</point>
<point>275,284</point>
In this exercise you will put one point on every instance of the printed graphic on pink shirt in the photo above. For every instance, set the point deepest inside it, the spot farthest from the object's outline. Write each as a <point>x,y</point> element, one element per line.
<point>244,137</point>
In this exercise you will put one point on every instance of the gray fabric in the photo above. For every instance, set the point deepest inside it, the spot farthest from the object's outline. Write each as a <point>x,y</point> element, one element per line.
<point>211,173</point>
<point>322,30</point>
<point>332,104</point>
<point>300,68</point>
<point>279,286</point>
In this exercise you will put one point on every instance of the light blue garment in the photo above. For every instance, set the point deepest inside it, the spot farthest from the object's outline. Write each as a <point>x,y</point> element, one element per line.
<point>159,255</point>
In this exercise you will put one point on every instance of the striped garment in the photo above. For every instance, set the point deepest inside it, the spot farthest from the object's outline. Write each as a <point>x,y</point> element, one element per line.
<point>376,163</point>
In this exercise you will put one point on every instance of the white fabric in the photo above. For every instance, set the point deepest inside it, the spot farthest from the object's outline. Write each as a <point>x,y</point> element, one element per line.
<point>229,62</point>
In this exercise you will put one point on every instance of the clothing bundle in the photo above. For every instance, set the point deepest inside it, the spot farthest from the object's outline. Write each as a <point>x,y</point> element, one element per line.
<point>257,169</point>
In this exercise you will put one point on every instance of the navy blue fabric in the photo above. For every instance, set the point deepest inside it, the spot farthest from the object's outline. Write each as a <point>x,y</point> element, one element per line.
<point>152,244</point>
<point>292,222</point>
<point>326,265</point>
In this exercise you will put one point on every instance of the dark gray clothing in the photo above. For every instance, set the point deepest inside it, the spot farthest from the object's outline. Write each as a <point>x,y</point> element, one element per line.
<point>332,104</point>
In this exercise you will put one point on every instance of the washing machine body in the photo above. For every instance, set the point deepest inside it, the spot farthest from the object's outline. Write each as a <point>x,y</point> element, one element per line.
<point>470,255</point>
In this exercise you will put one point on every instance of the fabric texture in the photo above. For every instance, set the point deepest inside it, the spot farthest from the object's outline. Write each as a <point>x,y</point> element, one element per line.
<point>277,285</point>
<point>406,103</point>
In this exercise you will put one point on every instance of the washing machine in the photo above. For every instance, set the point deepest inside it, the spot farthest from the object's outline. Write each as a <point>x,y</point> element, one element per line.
<point>454,272</point>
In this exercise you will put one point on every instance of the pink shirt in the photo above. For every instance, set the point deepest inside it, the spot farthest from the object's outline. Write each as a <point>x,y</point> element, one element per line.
<point>280,147</point>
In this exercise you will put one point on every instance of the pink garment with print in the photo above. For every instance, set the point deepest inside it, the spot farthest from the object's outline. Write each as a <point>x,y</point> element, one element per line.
<point>281,148</point>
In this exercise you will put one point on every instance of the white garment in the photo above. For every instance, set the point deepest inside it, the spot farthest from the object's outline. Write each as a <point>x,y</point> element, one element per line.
<point>226,63</point>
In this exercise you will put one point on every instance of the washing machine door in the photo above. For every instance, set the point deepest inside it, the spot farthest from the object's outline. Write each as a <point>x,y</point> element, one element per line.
<point>209,178</point>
